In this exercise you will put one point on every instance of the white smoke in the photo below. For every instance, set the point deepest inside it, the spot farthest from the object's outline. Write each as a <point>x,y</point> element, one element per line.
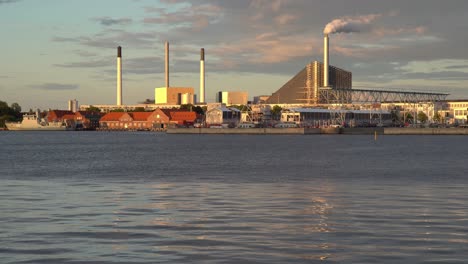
<point>350,24</point>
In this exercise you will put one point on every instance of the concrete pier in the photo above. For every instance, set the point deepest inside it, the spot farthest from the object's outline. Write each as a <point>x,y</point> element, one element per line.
<point>426,131</point>
<point>318,131</point>
<point>245,131</point>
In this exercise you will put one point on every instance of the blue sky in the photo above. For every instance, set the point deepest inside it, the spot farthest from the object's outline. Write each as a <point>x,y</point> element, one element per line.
<point>56,50</point>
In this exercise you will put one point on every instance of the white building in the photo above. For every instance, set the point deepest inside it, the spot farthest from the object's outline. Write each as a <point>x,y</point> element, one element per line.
<point>223,115</point>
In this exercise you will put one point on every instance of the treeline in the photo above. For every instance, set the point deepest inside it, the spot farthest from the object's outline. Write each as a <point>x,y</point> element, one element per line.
<point>10,113</point>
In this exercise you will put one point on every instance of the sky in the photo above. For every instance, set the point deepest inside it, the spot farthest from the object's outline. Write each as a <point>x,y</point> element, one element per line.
<point>58,50</point>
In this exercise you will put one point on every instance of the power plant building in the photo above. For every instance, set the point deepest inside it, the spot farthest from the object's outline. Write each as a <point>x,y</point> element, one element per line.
<point>304,87</point>
<point>232,98</point>
<point>174,95</point>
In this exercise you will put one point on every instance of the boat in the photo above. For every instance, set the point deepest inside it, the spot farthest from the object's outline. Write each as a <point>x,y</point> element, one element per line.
<point>32,122</point>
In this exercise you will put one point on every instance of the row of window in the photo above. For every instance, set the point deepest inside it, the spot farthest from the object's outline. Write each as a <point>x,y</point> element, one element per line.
<point>461,112</point>
<point>458,105</point>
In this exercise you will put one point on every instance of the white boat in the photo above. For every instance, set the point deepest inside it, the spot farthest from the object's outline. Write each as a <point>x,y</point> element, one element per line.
<point>33,123</point>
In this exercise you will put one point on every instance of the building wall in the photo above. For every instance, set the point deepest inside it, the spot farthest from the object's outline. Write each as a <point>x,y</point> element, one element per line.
<point>172,95</point>
<point>233,98</point>
<point>160,95</point>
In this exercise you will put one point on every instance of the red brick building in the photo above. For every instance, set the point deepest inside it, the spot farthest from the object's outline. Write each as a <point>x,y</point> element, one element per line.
<point>156,120</point>
<point>58,115</point>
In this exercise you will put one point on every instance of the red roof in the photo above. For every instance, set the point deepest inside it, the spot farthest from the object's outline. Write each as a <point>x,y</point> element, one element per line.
<point>57,115</point>
<point>68,117</point>
<point>183,116</point>
<point>113,116</point>
<point>141,116</point>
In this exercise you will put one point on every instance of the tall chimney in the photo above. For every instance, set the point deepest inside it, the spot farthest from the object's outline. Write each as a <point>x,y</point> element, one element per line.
<point>325,61</point>
<point>202,76</point>
<point>167,64</point>
<point>119,75</point>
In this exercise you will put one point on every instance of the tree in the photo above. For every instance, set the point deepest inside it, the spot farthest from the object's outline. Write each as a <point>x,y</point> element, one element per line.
<point>197,109</point>
<point>276,111</point>
<point>422,117</point>
<point>186,107</point>
<point>16,107</point>
<point>4,109</point>
<point>93,109</point>
<point>139,109</point>
<point>7,113</point>
<point>408,117</point>
<point>437,117</point>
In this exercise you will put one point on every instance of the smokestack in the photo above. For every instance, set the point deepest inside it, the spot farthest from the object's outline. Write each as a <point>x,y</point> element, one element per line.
<point>119,75</point>
<point>167,64</point>
<point>325,60</point>
<point>202,76</point>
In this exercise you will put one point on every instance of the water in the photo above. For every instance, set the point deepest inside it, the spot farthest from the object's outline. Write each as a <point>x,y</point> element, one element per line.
<point>69,197</point>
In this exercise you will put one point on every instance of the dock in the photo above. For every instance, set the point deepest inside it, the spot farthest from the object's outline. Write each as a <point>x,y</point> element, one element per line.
<point>320,131</point>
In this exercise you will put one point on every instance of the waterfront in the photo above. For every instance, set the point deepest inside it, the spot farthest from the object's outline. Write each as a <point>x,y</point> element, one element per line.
<point>87,197</point>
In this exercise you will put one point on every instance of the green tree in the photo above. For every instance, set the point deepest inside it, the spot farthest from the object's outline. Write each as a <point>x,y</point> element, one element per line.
<point>186,107</point>
<point>93,109</point>
<point>197,109</point>
<point>422,117</point>
<point>408,117</point>
<point>276,111</point>
<point>7,113</point>
<point>16,107</point>
<point>4,108</point>
<point>139,109</point>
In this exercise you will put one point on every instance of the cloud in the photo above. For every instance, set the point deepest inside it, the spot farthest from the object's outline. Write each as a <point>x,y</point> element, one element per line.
<point>112,39</point>
<point>107,21</point>
<point>85,53</point>
<point>55,86</point>
<point>195,17</point>
<point>441,75</point>
<point>8,1</point>
<point>456,67</point>
<point>87,64</point>
<point>285,19</point>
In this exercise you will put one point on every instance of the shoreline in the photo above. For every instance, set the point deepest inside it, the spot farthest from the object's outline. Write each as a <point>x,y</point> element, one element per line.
<point>319,131</point>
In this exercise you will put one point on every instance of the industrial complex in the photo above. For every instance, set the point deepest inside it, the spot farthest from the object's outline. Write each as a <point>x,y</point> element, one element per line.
<point>319,95</point>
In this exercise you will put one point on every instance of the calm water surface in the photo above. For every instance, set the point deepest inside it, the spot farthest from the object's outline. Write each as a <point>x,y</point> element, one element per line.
<point>69,197</point>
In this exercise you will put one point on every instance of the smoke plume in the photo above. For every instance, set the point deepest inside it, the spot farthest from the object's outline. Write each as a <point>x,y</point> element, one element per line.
<point>350,24</point>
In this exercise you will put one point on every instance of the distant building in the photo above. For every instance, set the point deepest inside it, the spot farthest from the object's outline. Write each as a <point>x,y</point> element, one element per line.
<point>304,87</point>
<point>159,119</point>
<point>87,120</point>
<point>223,115</point>
<point>232,98</point>
<point>261,99</point>
<point>174,95</point>
<point>313,117</point>
<point>58,115</point>
<point>73,105</point>
<point>458,111</point>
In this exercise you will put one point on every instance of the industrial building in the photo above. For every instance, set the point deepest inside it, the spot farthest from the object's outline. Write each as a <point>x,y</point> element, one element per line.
<point>219,114</point>
<point>232,98</point>
<point>309,117</point>
<point>304,87</point>
<point>174,95</point>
